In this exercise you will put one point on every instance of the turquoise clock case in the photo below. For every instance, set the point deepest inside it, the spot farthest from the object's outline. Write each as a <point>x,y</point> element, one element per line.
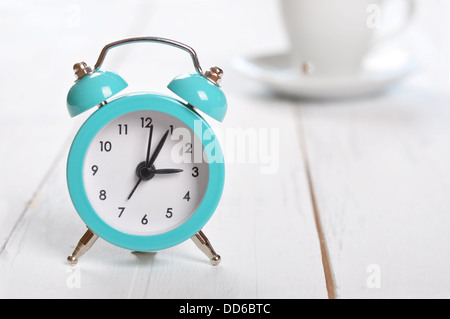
<point>92,89</point>
<point>107,113</point>
<point>201,93</point>
<point>98,86</point>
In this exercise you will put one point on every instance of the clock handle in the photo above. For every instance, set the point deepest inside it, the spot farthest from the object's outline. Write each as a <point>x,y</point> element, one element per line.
<point>202,242</point>
<point>173,43</point>
<point>200,90</point>
<point>83,246</point>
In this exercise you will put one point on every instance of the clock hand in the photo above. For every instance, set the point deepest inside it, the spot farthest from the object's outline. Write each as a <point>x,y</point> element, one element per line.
<point>157,150</point>
<point>167,171</point>
<point>149,162</point>
<point>149,143</point>
<point>134,188</point>
<point>149,146</point>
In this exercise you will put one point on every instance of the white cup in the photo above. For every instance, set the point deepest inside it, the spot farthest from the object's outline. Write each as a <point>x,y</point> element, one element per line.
<point>331,37</point>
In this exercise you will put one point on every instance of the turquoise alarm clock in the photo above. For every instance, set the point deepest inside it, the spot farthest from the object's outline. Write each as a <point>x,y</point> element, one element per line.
<point>145,171</point>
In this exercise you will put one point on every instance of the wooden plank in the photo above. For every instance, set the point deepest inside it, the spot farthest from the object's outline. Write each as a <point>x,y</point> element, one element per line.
<point>379,168</point>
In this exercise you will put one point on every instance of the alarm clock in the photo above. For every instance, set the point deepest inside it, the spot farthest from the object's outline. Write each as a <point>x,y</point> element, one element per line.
<point>145,171</point>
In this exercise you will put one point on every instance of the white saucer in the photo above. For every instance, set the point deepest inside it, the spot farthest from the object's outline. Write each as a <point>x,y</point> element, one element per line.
<point>379,71</point>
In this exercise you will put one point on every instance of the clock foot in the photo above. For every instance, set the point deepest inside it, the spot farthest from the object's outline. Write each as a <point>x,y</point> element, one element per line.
<point>83,246</point>
<point>202,242</point>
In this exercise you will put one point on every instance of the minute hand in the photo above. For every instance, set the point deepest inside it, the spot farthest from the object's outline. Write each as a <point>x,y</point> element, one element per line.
<point>157,150</point>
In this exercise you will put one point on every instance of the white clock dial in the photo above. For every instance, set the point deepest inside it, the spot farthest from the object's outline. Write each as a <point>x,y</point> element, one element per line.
<point>137,199</point>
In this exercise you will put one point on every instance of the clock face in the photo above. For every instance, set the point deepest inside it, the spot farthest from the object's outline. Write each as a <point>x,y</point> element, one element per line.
<point>144,173</point>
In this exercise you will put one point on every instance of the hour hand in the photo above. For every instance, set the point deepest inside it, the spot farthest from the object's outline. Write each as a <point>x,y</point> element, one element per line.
<point>167,171</point>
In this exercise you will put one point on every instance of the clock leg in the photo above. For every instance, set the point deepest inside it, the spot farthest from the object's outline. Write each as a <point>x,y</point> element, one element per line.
<point>202,242</point>
<point>83,246</point>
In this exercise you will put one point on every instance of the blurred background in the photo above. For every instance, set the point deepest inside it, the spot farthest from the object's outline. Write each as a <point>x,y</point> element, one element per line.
<point>42,40</point>
<point>325,144</point>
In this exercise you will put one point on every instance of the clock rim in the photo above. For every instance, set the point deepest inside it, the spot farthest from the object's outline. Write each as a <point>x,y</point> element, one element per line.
<point>75,182</point>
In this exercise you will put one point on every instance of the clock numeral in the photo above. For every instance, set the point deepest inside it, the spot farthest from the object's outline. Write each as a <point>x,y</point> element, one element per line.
<point>195,171</point>
<point>105,146</point>
<point>123,129</point>
<point>169,213</point>
<point>102,195</point>
<point>187,197</point>
<point>146,121</point>
<point>171,129</point>
<point>144,220</point>
<point>188,148</point>
<point>121,211</point>
<point>94,169</point>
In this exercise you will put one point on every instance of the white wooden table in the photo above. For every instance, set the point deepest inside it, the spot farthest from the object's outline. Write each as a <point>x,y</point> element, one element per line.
<point>358,206</point>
